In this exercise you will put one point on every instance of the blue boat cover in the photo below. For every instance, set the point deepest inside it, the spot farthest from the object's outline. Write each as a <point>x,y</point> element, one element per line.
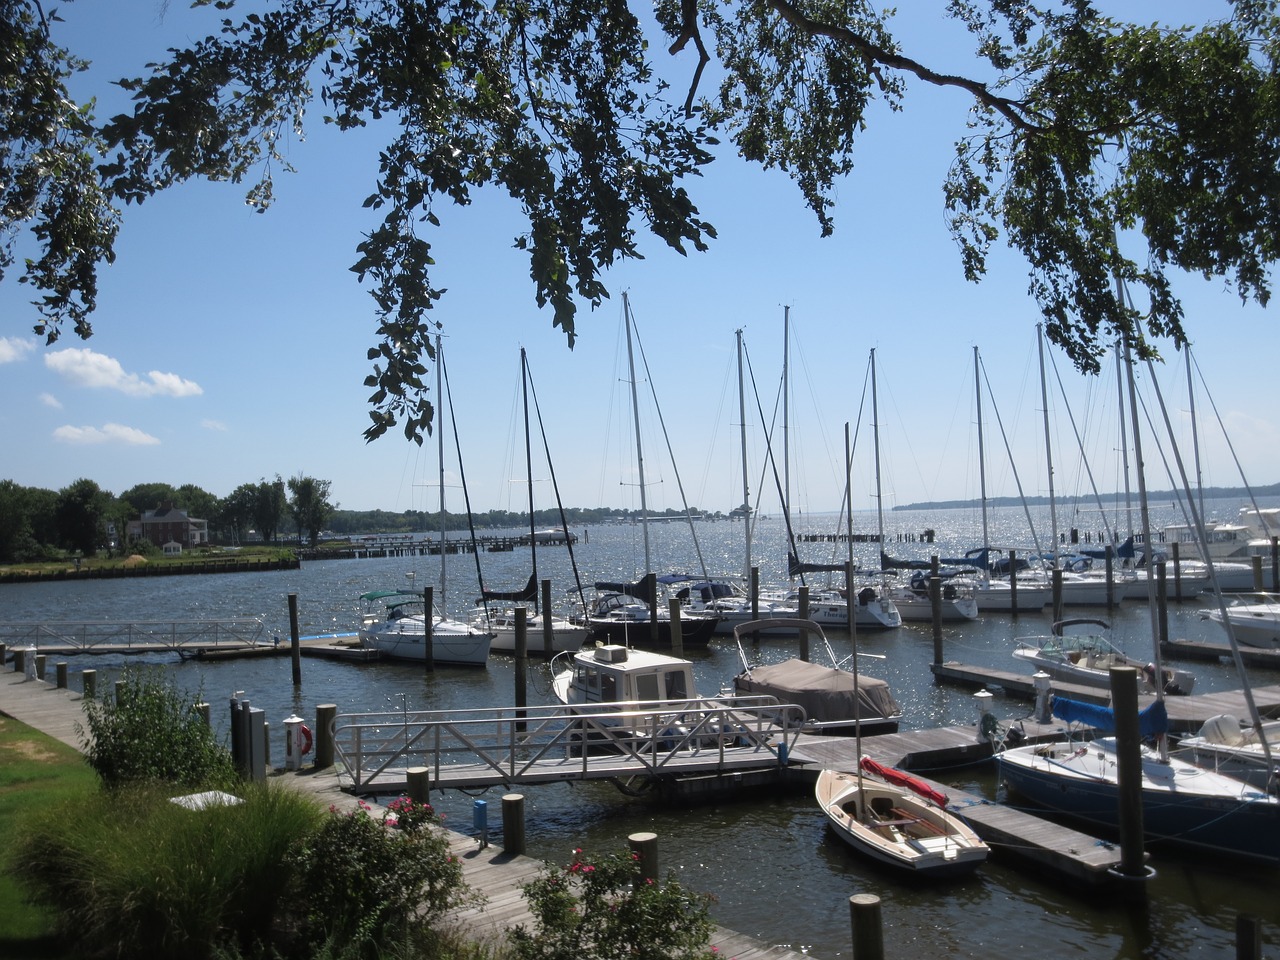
<point>1152,721</point>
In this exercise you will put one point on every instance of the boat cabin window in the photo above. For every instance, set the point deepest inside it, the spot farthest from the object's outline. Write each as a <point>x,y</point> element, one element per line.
<point>608,688</point>
<point>588,680</point>
<point>676,686</point>
<point>647,687</point>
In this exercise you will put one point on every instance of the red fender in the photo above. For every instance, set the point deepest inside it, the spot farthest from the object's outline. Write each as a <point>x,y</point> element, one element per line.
<point>306,740</point>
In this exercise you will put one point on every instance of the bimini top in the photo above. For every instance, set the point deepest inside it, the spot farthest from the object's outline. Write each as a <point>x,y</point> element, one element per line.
<point>1152,721</point>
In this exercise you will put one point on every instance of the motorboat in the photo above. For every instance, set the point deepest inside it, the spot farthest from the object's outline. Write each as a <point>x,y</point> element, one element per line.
<point>620,614</point>
<point>1224,745</point>
<point>898,820</point>
<point>1255,623</point>
<point>610,673</point>
<point>1086,658</point>
<point>1182,804</point>
<point>500,621</point>
<point>835,700</point>
<point>398,631</point>
<point>726,601</point>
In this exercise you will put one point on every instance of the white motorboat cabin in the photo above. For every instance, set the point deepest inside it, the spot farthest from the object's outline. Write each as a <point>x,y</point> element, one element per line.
<point>611,673</point>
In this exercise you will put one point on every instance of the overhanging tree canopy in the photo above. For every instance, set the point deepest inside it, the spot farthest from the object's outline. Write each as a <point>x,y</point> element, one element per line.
<point>1082,125</point>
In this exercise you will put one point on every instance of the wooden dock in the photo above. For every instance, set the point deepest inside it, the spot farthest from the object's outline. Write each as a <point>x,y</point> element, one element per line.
<point>1011,833</point>
<point>496,876</point>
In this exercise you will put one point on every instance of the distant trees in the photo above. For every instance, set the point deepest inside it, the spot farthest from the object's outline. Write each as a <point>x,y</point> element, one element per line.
<point>81,515</point>
<point>268,508</point>
<point>309,505</point>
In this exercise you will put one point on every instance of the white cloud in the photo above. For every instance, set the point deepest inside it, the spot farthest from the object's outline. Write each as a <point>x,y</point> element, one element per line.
<point>12,349</point>
<point>108,433</point>
<point>217,425</point>
<point>49,400</point>
<point>85,368</point>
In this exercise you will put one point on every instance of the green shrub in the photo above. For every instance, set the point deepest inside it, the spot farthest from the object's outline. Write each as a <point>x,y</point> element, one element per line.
<point>131,874</point>
<point>371,889</point>
<point>151,731</point>
<point>594,910</point>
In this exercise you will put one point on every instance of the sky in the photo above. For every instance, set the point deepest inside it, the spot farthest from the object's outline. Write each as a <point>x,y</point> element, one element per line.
<point>229,346</point>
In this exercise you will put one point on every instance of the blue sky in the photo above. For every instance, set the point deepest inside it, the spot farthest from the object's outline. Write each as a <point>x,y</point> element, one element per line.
<point>230,346</point>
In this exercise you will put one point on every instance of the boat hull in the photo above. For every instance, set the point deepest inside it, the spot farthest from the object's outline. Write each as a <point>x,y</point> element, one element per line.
<point>1182,804</point>
<point>694,631</point>
<point>404,640</point>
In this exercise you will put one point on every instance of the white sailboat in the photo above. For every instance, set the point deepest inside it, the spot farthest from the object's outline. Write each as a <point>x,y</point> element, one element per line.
<point>399,630</point>
<point>1182,803</point>
<point>496,610</point>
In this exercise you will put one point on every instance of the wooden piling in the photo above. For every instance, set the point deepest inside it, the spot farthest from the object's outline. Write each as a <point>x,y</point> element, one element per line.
<point>90,680</point>
<point>1124,703</point>
<point>1248,937</point>
<point>428,626</point>
<point>803,613</point>
<point>19,660</point>
<point>295,644</point>
<point>868,933</point>
<point>1162,603</point>
<point>1013,580</point>
<point>1177,571</point>
<point>522,662</point>
<point>1110,562</point>
<point>418,784</point>
<point>677,631</point>
<point>1057,594</point>
<point>513,842</point>
<point>60,671</point>
<point>1257,574</point>
<point>41,659</point>
<point>651,591</point>
<point>548,628</point>
<point>644,848</point>
<point>323,754</point>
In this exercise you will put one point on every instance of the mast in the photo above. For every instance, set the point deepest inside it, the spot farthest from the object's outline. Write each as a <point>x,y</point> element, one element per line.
<point>875,426</point>
<point>1044,402</point>
<point>786,409</point>
<point>528,465</point>
<point>982,471</point>
<point>1124,445</point>
<point>635,413</point>
<point>440,443</point>
<point>746,487</point>
<point>1195,433</point>
<point>853,627</point>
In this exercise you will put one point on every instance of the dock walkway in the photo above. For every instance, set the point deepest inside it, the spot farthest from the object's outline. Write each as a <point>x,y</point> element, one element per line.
<point>497,877</point>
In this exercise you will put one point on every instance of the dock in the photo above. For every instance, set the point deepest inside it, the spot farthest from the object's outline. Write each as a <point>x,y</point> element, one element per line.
<point>1012,834</point>
<point>496,876</point>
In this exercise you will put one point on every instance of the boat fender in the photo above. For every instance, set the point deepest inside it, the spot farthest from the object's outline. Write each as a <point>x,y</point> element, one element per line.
<point>306,740</point>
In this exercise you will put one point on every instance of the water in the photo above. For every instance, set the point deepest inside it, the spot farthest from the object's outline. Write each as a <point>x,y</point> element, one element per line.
<point>770,861</point>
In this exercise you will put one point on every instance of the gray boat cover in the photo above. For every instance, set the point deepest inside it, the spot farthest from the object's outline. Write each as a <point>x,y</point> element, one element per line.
<point>827,694</point>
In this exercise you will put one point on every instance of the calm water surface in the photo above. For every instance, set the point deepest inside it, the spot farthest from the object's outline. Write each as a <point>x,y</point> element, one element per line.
<point>770,861</point>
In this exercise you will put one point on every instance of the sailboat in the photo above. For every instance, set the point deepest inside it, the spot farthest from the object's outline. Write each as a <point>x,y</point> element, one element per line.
<point>912,599</point>
<point>1182,803</point>
<point>865,604</point>
<point>633,614</point>
<point>898,820</point>
<point>496,610</point>
<point>399,631</point>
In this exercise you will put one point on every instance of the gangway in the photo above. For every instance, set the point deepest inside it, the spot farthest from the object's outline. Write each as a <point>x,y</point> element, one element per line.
<point>472,748</point>
<point>134,636</point>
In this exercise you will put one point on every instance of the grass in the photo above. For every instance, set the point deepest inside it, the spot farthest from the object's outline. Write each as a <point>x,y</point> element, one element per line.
<point>36,772</point>
<point>212,556</point>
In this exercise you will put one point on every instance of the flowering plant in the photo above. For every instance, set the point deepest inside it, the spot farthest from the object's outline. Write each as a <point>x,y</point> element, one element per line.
<point>597,910</point>
<point>408,814</point>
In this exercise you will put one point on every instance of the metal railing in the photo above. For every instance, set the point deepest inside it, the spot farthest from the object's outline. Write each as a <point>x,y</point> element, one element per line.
<point>522,744</point>
<point>135,635</point>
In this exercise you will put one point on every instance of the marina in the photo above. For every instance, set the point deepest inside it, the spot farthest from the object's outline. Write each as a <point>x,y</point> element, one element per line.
<point>1192,905</point>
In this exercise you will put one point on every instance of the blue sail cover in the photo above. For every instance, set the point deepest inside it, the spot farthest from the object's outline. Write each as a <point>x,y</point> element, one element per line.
<point>1152,721</point>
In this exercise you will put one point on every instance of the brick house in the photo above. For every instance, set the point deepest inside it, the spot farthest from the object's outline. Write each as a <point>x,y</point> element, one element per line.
<point>167,524</point>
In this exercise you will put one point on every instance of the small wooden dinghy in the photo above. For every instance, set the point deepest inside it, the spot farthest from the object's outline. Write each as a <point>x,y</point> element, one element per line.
<point>899,820</point>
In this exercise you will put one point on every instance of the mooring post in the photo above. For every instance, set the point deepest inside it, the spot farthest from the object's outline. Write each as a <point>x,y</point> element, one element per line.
<point>418,784</point>
<point>60,671</point>
<point>644,851</point>
<point>651,591</point>
<point>804,615</point>
<point>1248,937</point>
<point>1162,605</point>
<point>1013,580</point>
<point>548,628</point>
<point>41,659</point>
<point>295,644</point>
<point>1257,574</point>
<point>326,713</point>
<point>4,651</point>
<point>90,680</point>
<point>1109,554</point>
<point>1124,702</point>
<point>522,664</point>
<point>1057,594</point>
<point>1177,572</point>
<point>868,934</point>
<point>755,596</point>
<point>677,631</point>
<point>513,824</point>
<point>205,712</point>
<point>428,625</point>
<point>19,660</point>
